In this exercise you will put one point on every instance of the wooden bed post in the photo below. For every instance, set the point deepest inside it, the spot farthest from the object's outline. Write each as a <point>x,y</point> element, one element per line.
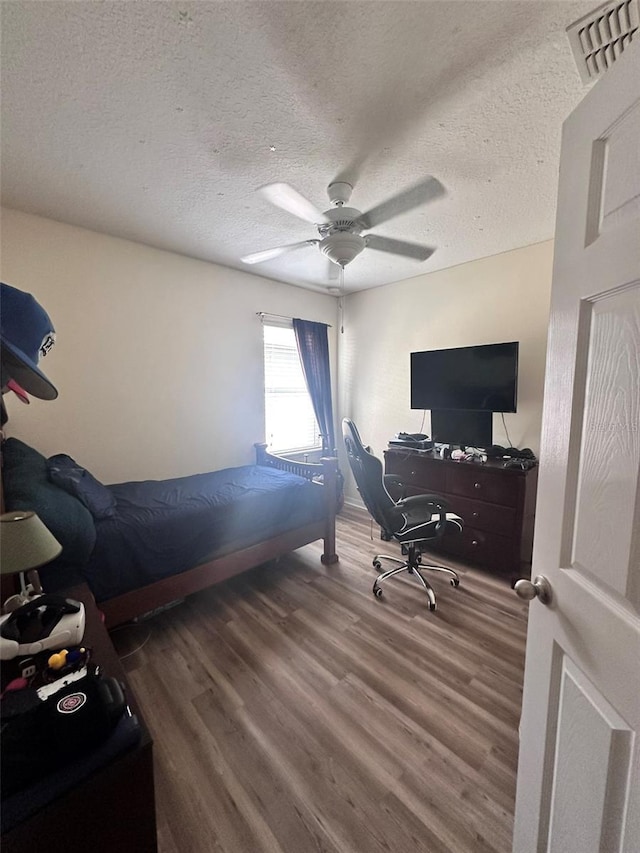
<point>327,470</point>
<point>330,484</point>
<point>261,451</point>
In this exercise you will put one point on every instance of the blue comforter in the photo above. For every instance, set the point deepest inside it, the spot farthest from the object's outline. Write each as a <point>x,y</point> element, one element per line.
<point>162,527</point>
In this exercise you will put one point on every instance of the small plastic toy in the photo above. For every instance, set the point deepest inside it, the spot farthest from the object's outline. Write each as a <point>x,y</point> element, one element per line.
<point>65,661</point>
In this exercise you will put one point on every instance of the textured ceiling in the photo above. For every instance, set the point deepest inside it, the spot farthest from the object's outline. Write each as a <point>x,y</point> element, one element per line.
<point>155,121</point>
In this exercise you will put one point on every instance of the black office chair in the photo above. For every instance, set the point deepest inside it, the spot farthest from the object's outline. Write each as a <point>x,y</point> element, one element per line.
<point>412,521</point>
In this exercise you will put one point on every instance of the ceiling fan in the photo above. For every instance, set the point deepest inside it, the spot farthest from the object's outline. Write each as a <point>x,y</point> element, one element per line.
<point>340,228</point>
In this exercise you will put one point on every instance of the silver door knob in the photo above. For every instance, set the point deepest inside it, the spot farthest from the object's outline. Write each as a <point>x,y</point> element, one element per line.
<point>540,588</point>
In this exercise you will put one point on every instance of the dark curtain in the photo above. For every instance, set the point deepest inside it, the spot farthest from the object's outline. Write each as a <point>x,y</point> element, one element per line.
<point>313,346</point>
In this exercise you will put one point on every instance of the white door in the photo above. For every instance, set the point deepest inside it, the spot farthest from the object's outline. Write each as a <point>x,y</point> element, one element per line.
<point>579,768</point>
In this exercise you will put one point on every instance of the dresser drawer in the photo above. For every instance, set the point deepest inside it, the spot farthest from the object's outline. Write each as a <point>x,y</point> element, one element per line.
<point>485,516</point>
<point>415,470</point>
<point>478,546</point>
<point>472,482</point>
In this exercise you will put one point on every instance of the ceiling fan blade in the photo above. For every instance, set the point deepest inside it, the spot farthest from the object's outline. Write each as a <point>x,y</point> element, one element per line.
<point>419,194</point>
<point>284,196</point>
<point>399,247</point>
<point>268,254</point>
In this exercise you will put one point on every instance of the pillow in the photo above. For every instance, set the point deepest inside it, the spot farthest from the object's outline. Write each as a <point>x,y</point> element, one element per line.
<point>27,486</point>
<point>73,478</point>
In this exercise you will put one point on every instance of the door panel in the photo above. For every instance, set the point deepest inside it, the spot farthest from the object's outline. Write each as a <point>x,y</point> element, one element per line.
<point>605,538</point>
<point>620,197</point>
<point>591,738</point>
<point>579,766</point>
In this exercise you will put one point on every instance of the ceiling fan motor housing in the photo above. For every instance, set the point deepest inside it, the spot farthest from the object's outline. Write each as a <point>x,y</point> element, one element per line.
<point>341,241</point>
<point>341,219</point>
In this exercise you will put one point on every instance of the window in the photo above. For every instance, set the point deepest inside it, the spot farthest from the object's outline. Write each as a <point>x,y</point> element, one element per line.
<point>289,419</point>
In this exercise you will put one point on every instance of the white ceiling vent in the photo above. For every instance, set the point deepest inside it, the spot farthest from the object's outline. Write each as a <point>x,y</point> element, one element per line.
<point>599,38</point>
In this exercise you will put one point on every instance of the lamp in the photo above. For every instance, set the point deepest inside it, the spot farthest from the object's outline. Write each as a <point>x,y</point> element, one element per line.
<point>26,543</point>
<point>33,621</point>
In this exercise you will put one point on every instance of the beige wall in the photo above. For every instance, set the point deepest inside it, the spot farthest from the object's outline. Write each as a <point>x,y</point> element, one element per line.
<point>501,298</point>
<point>158,358</point>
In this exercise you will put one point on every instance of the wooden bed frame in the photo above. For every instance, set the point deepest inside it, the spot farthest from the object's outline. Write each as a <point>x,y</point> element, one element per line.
<point>127,606</point>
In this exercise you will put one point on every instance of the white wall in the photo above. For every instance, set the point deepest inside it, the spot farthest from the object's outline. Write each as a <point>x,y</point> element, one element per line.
<point>158,360</point>
<point>501,298</point>
<point>159,357</point>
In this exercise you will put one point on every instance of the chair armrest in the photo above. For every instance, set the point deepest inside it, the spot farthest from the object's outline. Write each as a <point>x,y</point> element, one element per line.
<point>430,506</point>
<point>414,502</point>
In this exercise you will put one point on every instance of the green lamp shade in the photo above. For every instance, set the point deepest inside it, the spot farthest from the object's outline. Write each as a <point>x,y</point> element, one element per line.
<point>25,542</point>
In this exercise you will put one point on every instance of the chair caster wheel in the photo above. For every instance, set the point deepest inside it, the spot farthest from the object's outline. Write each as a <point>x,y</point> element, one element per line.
<point>377,564</point>
<point>377,591</point>
<point>432,606</point>
<point>454,582</point>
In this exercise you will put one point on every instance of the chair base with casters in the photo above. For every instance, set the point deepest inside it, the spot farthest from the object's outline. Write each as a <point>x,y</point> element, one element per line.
<point>412,565</point>
<point>415,521</point>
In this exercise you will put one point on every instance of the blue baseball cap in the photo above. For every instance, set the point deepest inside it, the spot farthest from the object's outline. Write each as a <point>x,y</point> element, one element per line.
<point>26,334</point>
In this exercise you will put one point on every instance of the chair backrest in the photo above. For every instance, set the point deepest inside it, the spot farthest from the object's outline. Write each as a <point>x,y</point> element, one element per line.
<point>369,477</point>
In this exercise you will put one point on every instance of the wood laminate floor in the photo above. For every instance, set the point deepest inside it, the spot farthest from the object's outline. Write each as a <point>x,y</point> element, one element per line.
<point>294,712</point>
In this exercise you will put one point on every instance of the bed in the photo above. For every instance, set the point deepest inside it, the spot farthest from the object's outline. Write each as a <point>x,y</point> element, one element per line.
<point>142,545</point>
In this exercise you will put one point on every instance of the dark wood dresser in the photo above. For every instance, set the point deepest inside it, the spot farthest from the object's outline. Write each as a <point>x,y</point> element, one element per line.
<point>497,505</point>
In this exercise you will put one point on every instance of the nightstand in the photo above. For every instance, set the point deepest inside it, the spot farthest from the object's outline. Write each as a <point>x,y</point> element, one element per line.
<point>111,809</point>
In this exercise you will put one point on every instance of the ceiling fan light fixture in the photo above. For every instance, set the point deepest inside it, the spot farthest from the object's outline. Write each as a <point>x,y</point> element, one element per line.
<point>342,247</point>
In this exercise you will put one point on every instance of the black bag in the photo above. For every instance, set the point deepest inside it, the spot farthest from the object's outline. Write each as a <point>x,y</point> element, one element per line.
<point>43,736</point>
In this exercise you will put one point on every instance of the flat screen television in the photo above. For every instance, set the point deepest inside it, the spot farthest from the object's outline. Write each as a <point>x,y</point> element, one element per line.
<point>480,378</point>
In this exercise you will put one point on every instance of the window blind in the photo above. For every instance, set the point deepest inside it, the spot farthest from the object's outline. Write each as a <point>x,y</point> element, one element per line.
<point>289,419</point>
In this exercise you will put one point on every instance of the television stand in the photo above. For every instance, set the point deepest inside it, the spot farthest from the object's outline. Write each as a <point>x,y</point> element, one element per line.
<point>473,428</point>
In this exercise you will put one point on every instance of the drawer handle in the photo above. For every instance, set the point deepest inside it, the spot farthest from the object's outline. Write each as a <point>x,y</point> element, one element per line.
<point>475,543</point>
<point>477,485</point>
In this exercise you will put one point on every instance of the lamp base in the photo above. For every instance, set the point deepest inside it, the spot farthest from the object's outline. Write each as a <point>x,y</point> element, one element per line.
<point>28,591</point>
<point>19,599</point>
